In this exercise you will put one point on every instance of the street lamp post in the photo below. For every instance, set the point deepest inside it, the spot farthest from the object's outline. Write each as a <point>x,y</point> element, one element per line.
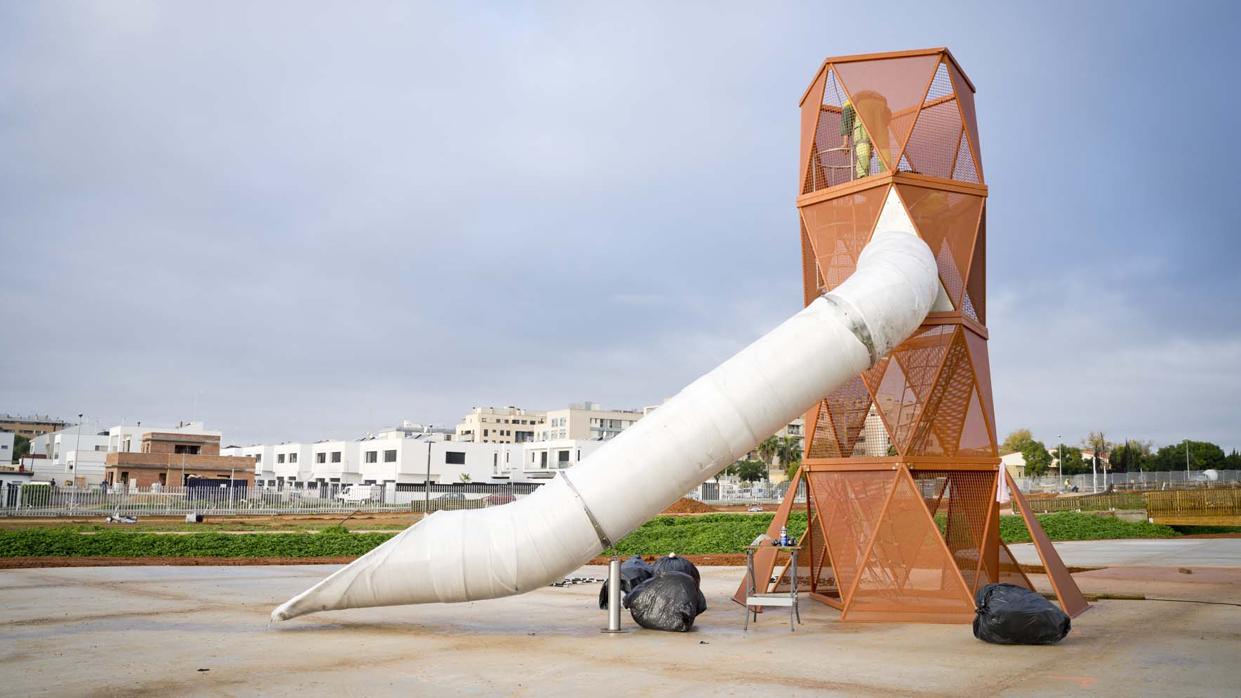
<point>1060,455</point>
<point>77,442</point>
<point>1186,461</point>
<point>426,484</point>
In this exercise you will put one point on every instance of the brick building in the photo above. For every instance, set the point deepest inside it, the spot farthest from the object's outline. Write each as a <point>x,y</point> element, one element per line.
<point>169,458</point>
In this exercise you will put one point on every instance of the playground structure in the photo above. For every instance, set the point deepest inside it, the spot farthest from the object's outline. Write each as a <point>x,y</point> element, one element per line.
<point>890,140</point>
<point>892,209</point>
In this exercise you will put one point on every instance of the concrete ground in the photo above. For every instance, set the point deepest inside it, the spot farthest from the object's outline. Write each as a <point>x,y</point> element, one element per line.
<point>204,630</point>
<point>1186,552</point>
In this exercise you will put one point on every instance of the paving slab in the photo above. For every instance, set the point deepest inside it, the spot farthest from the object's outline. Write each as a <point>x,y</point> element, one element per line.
<point>205,630</point>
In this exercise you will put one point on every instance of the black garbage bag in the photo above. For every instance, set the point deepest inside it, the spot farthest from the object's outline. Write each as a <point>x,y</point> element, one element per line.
<point>1011,615</point>
<point>633,572</point>
<point>672,563</point>
<point>669,601</point>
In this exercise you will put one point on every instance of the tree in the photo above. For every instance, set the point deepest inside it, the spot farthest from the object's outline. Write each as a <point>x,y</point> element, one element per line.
<point>1233,461</point>
<point>1015,441</point>
<point>21,447</point>
<point>1096,441</point>
<point>791,458</point>
<point>768,449</point>
<point>751,470</point>
<point>1038,460</point>
<point>1202,456</point>
<point>1131,456</point>
<point>1071,462</point>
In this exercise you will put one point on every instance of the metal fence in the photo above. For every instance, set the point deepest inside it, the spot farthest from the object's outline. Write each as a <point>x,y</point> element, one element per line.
<point>1140,481</point>
<point>53,501</point>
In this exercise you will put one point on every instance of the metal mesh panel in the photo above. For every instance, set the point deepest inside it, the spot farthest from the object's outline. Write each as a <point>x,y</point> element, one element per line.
<point>849,405</point>
<point>965,96</point>
<point>975,435</point>
<point>839,228</point>
<point>933,146</point>
<point>908,572</point>
<point>948,222</point>
<point>907,381</point>
<point>982,374</point>
<point>823,443</point>
<point>1010,570</point>
<point>939,432</point>
<point>833,155</point>
<point>887,94</point>
<point>963,508</point>
<point>850,503</point>
<point>963,169</point>
<point>897,403</point>
<point>976,287</point>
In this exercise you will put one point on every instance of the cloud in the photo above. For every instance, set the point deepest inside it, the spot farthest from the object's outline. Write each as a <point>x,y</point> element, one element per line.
<point>299,219</point>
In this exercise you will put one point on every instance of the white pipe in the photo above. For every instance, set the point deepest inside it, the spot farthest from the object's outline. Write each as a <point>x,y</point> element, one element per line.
<point>499,551</point>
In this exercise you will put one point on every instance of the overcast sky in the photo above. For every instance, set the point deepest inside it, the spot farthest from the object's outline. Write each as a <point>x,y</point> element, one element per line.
<point>306,220</point>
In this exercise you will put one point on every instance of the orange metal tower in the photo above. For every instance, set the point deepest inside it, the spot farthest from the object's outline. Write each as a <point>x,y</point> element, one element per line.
<point>900,469</point>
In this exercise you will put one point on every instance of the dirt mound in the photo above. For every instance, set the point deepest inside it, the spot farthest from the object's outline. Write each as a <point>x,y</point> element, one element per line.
<point>685,505</point>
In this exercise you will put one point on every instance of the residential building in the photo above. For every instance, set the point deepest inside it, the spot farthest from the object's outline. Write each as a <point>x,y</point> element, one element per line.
<point>541,459</point>
<point>30,426</point>
<point>71,456</point>
<point>176,458</point>
<point>1014,463</point>
<point>504,425</point>
<point>6,447</point>
<point>587,421</point>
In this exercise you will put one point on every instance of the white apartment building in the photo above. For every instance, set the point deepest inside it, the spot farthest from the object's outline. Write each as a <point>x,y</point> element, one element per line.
<point>72,456</point>
<point>505,425</point>
<point>127,438</point>
<point>587,421</point>
<point>541,459</point>
<point>6,447</point>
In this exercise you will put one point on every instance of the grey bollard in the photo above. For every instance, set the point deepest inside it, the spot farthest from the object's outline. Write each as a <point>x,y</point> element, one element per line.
<point>614,597</point>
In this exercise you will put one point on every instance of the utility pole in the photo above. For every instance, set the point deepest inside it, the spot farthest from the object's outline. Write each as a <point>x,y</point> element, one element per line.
<point>426,484</point>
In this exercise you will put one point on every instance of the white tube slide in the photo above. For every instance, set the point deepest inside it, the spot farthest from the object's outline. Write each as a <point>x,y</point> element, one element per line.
<point>499,551</point>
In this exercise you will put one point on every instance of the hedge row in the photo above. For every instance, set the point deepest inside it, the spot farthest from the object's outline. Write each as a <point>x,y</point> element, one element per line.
<point>686,535</point>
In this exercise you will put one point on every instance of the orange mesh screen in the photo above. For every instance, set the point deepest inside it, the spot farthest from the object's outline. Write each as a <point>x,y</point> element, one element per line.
<point>963,510</point>
<point>933,145</point>
<point>976,288</point>
<point>810,118</point>
<point>849,503</point>
<point>908,571</point>
<point>838,230</point>
<point>966,98</point>
<point>948,222</point>
<point>886,94</point>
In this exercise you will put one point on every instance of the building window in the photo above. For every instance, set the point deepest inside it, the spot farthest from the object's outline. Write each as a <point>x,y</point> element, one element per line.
<point>320,457</point>
<point>390,456</point>
<point>258,458</point>
<point>292,457</point>
<point>454,457</point>
<point>186,449</point>
<point>279,457</point>
<point>335,456</point>
<point>372,456</point>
